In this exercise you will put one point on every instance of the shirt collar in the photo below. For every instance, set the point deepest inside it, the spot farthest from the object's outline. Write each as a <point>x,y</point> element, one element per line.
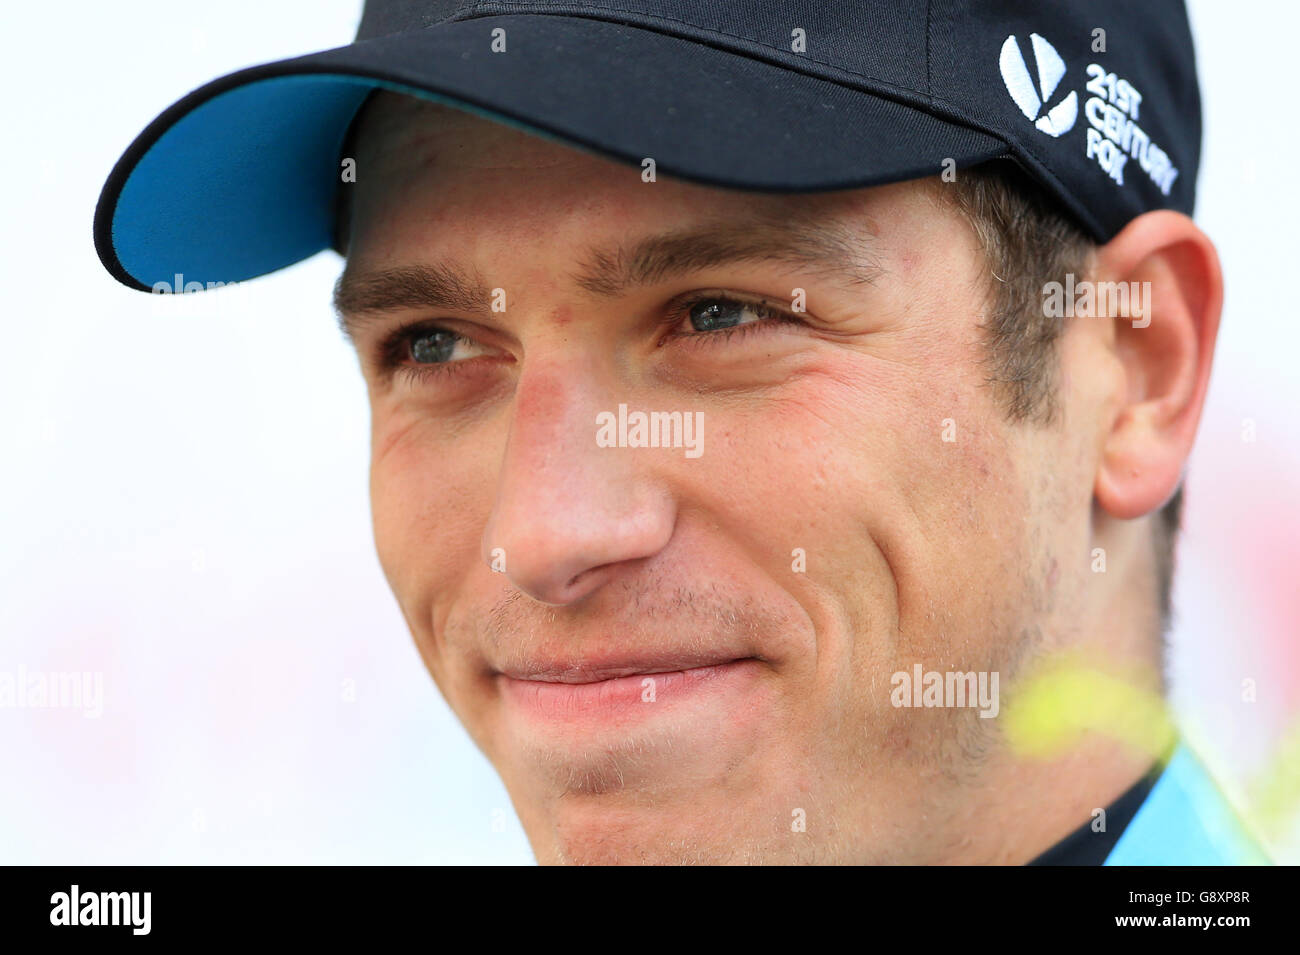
<point>1186,820</point>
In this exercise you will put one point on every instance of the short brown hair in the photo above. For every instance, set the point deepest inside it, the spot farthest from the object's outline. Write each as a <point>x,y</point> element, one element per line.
<point>1029,241</point>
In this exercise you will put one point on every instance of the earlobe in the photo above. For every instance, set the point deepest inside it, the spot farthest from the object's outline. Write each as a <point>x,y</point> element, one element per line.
<point>1172,268</point>
<point>1138,474</point>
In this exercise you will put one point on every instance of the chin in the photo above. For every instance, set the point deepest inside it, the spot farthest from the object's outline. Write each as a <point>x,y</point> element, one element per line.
<point>654,837</point>
<point>729,821</point>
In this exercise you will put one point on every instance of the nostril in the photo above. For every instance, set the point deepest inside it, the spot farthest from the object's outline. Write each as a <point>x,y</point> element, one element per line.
<point>586,581</point>
<point>579,577</point>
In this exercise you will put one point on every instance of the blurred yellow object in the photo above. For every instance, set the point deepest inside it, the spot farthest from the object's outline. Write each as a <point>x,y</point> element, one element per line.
<point>1067,696</point>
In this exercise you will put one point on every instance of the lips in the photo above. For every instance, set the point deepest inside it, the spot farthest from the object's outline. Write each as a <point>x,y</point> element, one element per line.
<point>588,671</point>
<point>596,693</point>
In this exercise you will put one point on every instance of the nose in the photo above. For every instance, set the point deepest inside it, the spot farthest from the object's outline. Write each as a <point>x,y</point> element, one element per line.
<point>569,515</point>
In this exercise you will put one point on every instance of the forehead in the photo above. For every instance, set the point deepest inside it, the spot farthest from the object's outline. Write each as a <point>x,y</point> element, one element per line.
<point>422,165</point>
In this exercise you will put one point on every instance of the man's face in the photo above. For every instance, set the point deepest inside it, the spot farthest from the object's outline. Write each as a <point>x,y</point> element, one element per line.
<point>683,653</point>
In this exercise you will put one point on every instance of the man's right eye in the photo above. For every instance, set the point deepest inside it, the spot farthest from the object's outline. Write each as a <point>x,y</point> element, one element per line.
<point>424,344</point>
<point>422,350</point>
<point>433,347</point>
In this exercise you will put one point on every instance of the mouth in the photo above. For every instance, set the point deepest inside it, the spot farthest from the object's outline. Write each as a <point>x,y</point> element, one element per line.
<point>620,691</point>
<point>588,672</point>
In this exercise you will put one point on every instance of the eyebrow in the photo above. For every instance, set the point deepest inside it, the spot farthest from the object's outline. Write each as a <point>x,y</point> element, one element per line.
<point>361,298</point>
<point>833,250</point>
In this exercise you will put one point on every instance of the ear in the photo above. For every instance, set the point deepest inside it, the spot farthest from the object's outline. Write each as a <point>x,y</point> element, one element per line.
<point>1166,356</point>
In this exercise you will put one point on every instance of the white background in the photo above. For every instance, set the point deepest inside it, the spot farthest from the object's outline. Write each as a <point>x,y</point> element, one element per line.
<point>183,501</point>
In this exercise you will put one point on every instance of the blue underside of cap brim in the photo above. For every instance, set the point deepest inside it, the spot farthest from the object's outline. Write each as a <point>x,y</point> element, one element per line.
<point>257,166</point>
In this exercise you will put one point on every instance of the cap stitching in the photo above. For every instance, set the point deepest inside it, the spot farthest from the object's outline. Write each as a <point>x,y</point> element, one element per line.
<point>929,75</point>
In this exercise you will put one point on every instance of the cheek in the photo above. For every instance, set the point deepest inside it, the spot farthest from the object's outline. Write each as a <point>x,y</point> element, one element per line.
<point>428,506</point>
<point>922,492</point>
<point>966,489</point>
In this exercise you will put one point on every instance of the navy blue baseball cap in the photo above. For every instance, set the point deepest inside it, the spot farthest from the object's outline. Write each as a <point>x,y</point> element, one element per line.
<point>1096,101</point>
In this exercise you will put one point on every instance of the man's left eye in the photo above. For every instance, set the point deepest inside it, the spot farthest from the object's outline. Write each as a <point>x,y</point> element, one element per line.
<point>713,314</point>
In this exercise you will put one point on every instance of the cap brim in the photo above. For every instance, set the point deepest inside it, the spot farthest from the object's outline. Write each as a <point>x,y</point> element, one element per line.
<point>238,178</point>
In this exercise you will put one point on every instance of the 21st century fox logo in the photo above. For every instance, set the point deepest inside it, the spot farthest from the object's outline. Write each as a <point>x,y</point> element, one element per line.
<point>75,907</point>
<point>1031,95</point>
<point>1113,109</point>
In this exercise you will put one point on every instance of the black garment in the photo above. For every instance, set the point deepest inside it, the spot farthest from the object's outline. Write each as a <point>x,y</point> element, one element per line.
<point>1085,847</point>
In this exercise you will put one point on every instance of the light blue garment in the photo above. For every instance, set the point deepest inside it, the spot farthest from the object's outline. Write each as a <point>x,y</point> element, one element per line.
<point>1186,821</point>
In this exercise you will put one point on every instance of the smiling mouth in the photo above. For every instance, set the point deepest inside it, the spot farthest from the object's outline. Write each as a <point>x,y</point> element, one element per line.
<point>609,693</point>
<point>585,673</point>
